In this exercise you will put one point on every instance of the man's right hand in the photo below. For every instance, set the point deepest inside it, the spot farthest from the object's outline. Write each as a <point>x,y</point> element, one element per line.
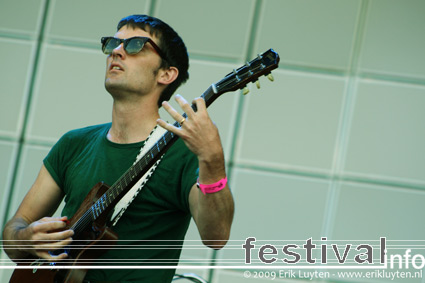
<point>44,236</point>
<point>32,230</point>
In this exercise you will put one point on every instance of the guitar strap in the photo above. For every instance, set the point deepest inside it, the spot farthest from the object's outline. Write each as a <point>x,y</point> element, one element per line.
<point>123,204</point>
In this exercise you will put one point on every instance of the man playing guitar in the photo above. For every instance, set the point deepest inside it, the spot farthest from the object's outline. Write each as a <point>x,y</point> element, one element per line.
<point>146,62</point>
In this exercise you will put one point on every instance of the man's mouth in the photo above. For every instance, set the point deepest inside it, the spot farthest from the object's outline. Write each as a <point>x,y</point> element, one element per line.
<point>115,66</point>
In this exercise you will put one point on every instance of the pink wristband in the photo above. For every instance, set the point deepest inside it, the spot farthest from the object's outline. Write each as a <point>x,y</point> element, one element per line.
<point>212,188</point>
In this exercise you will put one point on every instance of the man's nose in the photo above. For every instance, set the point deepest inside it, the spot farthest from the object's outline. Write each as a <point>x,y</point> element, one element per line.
<point>119,50</point>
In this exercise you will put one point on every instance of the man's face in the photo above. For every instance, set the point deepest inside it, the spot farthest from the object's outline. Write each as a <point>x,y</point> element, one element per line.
<point>132,74</point>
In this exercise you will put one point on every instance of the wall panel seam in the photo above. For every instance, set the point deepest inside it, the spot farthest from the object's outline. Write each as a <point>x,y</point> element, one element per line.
<point>28,101</point>
<point>345,118</point>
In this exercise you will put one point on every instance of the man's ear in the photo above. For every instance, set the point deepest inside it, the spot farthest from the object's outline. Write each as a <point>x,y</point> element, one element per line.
<point>167,76</point>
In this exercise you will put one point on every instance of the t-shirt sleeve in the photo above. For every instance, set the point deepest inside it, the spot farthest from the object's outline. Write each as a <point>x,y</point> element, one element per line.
<point>55,159</point>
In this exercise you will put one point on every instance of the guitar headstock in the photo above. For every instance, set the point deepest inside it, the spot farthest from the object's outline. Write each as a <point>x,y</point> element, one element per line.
<point>263,64</point>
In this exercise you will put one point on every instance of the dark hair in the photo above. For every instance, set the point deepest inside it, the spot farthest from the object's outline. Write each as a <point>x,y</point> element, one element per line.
<point>169,42</point>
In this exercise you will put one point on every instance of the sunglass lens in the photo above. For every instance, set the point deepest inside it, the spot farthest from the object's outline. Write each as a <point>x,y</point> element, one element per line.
<point>134,45</point>
<point>110,45</point>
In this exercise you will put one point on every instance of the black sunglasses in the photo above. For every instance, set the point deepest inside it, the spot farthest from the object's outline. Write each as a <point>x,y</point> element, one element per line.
<point>132,45</point>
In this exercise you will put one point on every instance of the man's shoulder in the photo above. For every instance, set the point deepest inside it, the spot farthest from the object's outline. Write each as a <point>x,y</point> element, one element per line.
<point>88,132</point>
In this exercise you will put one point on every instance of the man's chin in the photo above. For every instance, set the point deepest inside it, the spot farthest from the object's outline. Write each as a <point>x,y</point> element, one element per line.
<point>114,89</point>
<point>119,91</point>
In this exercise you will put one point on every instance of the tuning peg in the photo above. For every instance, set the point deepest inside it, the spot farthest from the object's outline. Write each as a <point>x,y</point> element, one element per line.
<point>270,77</point>
<point>245,91</point>
<point>257,83</point>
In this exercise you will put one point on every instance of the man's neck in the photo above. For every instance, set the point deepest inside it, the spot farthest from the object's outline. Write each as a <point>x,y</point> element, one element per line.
<point>132,121</point>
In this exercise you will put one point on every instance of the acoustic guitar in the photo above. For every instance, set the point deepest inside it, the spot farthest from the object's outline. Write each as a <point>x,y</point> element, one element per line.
<point>90,221</point>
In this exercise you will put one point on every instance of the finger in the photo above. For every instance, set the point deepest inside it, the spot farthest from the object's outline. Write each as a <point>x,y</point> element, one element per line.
<point>164,124</point>
<point>46,227</point>
<point>53,246</point>
<point>173,113</point>
<point>53,219</point>
<point>53,236</point>
<point>65,220</point>
<point>51,258</point>
<point>184,105</point>
<point>60,235</point>
<point>200,104</point>
<point>59,257</point>
<point>47,251</point>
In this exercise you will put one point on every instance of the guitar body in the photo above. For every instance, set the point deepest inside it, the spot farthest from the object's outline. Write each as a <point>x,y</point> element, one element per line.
<point>90,239</point>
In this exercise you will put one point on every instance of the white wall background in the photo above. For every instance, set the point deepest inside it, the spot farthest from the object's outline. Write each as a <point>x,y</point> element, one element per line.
<point>333,148</point>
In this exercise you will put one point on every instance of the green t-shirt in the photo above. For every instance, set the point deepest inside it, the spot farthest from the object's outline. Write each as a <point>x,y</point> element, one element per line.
<point>160,212</point>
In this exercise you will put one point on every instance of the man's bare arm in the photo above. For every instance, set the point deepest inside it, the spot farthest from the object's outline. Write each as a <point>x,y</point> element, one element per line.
<point>213,213</point>
<point>32,228</point>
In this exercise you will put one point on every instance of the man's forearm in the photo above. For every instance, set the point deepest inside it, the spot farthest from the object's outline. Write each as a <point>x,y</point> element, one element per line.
<point>10,238</point>
<point>214,217</point>
<point>214,210</point>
